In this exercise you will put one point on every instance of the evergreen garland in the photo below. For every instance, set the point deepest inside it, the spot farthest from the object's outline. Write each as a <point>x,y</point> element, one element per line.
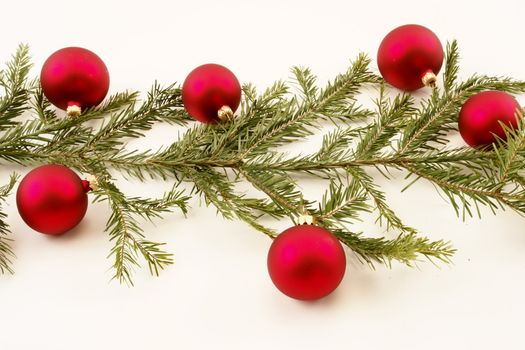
<point>400,133</point>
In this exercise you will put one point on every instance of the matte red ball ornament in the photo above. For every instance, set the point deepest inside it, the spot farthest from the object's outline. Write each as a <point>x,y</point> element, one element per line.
<point>306,262</point>
<point>211,93</point>
<point>74,78</point>
<point>52,199</point>
<point>410,57</point>
<point>480,117</point>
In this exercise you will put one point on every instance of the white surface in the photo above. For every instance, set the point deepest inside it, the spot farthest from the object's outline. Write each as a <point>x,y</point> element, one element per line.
<point>217,295</point>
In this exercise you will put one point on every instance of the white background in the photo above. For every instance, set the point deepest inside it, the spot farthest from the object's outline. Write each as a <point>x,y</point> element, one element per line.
<point>218,295</point>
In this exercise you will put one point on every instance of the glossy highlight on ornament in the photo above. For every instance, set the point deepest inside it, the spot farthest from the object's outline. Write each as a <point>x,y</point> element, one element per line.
<point>52,199</point>
<point>481,115</point>
<point>74,78</point>
<point>410,57</point>
<point>306,262</point>
<point>211,93</point>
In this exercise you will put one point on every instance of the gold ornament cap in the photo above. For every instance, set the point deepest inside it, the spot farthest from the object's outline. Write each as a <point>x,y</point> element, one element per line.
<point>225,114</point>
<point>306,219</point>
<point>73,110</point>
<point>93,182</point>
<point>429,79</point>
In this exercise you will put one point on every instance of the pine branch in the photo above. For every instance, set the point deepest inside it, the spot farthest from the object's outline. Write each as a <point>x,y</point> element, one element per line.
<point>438,114</point>
<point>161,104</point>
<point>510,152</point>
<point>341,203</point>
<point>295,119</point>
<point>401,134</point>
<point>280,188</point>
<point>405,248</point>
<point>14,82</point>
<point>127,234</point>
<point>464,191</point>
<point>450,75</point>
<point>494,180</point>
<point>334,147</point>
<point>391,116</point>
<point>217,190</point>
<point>385,213</point>
<point>6,254</point>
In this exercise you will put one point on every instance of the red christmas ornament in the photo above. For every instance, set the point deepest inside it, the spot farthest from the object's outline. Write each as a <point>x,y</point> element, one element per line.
<point>480,117</point>
<point>306,262</point>
<point>211,93</point>
<point>410,57</point>
<point>51,199</point>
<point>74,78</point>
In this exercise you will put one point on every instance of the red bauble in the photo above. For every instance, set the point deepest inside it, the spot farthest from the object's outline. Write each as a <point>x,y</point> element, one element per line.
<point>480,117</point>
<point>410,57</point>
<point>211,93</point>
<point>306,262</point>
<point>74,76</point>
<point>51,199</point>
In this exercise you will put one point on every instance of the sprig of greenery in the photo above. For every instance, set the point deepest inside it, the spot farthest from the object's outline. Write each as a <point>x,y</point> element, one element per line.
<point>127,234</point>
<point>401,134</point>
<point>6,253</point>
<point>404,248</point>
<point>13,80</point>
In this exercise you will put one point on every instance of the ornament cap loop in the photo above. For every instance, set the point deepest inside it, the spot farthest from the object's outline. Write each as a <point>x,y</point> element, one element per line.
<point>73,110</point>
<point>306,219</point>
<point>429,79</point>
<point>225,114</point>
<point>92,183</point>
